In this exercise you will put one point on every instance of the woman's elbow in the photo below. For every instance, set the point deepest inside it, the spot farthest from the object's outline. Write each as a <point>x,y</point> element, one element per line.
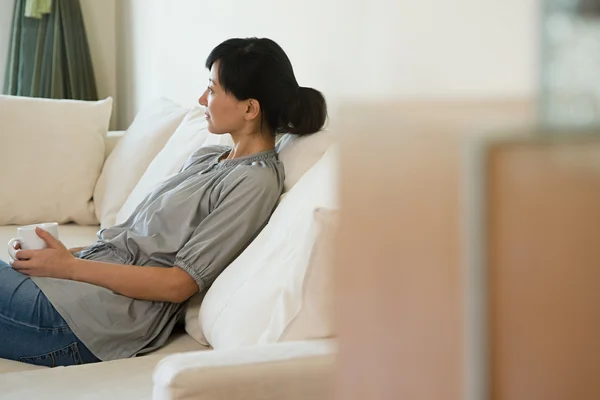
<point>184,286</point>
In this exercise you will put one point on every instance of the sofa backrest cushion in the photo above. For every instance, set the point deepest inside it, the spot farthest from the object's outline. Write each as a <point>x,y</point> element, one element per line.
<point>299,153</point>
<point>147,135</point>
<point>259,295</point>
<point>190,135</point>
<point>52,155</point>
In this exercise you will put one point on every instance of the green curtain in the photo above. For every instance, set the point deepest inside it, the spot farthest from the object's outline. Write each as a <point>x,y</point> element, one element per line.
<point>37,8</point>
<point>49,54</point>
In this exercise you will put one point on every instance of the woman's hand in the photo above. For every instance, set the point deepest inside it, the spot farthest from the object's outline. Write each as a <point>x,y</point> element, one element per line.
<point>54,262</point>
<point>75,250</point>
<point>72,250</point>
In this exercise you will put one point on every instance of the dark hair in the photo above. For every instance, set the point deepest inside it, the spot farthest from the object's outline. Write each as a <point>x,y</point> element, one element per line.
<point>259,69</point>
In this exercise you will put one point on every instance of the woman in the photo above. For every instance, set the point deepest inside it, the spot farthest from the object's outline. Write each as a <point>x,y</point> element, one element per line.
<point>122,295</point>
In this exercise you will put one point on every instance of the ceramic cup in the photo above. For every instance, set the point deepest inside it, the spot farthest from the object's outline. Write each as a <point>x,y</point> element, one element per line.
<point>29,240</point>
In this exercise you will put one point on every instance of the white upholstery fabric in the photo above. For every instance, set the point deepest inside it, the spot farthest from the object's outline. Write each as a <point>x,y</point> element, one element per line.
<point>7,366</point>
<point>314,317</point>
<point>255,299</point>
<point>192,320</point>
<point>115,380</point>
<point>52,155</point>
<point>147,135</point>
<point>112,140</point>
<point>292,370</point>
<point>299,153</point>
<point>179,342</point>
<point>191,134</point>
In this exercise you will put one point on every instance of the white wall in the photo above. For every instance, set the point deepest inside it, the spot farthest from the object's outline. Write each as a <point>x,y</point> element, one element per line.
<point>6,11</point>
<point>137,51</point>
<point>361,49</point>
<point>100,21</point>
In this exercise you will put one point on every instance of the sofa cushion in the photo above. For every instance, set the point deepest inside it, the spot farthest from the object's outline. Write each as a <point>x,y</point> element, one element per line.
<point>192,320</point>
<point>9,366</point>
<point>147,135</point>
<point>121,379</point>
<point>299,153</point>
<point>179,342</point>
<point>53,151</point>
<point>312,317</point>
<point>260,293</point>
<point>191,134</point>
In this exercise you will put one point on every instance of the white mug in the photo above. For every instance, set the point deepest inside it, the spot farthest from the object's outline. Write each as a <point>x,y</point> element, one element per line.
<point>29,240</point>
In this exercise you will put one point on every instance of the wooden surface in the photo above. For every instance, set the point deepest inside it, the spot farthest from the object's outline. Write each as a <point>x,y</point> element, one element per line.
<point>399,266</point>
<point>544,270</point>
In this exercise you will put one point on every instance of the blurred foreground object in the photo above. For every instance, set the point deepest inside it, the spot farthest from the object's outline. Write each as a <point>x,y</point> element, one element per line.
<point>467,264</point>
<point>534,267</point>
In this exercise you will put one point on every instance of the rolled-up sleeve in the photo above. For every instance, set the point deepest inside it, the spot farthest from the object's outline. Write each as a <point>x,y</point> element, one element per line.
<point>241,212</point>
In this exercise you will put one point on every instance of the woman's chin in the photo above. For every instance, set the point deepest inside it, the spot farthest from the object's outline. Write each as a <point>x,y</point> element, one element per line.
<point>214,130</point>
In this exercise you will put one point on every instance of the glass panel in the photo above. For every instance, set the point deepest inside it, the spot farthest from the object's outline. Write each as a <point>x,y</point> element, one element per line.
<point>570,87</point>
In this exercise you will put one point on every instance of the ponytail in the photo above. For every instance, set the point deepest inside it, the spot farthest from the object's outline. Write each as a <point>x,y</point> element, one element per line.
<point>307,113</point>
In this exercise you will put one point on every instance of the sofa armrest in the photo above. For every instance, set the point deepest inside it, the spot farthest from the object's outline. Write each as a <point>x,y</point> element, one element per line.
<point>289,370</point>
<point>112,138</point>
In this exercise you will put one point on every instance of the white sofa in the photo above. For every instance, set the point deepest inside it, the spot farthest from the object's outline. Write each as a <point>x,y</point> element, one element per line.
<point>184,368</point>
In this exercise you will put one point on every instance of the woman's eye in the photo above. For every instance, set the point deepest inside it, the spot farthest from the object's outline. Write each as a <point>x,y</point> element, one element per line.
<point>209,89</point>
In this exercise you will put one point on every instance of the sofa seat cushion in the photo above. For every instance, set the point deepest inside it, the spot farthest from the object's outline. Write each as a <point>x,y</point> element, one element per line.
<point>8,366</point>
<point>121,379</point>
<point>179,342</point>
<point>71,235</point>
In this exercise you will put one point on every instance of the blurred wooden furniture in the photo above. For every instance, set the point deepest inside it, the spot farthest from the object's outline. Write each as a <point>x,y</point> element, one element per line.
<point>400,253</point>
<point>540,241</point>
<point>424,216</point>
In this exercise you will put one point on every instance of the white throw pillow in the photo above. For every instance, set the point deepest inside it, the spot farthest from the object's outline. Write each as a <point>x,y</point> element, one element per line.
<point>147,135</point>
<point>191,134</point>
<point>299,153</point>
<point>314,317</point>
<point>260,294</point>
<point>52,155</point>
<point>192,321</point>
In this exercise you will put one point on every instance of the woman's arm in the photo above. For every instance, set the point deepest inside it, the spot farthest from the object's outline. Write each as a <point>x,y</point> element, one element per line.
<point>145,283</point>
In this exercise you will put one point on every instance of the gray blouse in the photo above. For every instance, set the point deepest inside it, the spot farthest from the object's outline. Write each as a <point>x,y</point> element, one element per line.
<point>199,220</point>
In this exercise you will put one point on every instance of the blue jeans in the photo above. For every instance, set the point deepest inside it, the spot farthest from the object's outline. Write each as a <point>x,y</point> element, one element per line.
<point>31,330</point>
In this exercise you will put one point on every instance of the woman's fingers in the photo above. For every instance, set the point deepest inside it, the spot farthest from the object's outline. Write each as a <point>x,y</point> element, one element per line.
<point>24,254</point>
<point>50,240</point>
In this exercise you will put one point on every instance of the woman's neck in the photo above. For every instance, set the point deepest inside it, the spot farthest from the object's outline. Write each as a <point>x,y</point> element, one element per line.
<point>250,144</point>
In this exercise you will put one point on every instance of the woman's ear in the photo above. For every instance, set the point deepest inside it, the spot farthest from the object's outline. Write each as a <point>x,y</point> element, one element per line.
<point>252,110</point>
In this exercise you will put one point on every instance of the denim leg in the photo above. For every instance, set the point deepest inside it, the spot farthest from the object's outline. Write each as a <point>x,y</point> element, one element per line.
<point>31,330</point>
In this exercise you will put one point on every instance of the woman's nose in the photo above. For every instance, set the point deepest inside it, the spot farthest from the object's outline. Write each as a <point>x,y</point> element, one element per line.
<point>202,100</point>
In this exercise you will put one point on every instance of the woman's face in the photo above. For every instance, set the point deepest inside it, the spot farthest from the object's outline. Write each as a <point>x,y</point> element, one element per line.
<point>224,113</point>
